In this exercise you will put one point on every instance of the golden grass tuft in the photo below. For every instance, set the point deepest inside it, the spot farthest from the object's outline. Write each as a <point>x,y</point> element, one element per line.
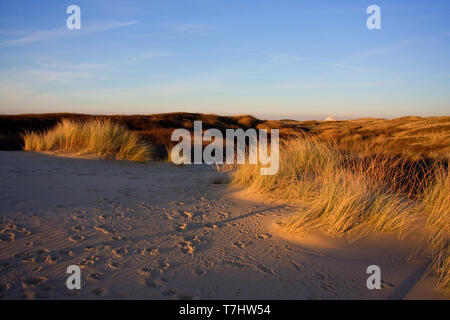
<point>351,194</point>
<point>436,203</point>
<point>104,138</point>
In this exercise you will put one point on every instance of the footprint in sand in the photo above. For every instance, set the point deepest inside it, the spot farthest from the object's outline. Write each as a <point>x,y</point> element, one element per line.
<point>241,244</point>
<point>104,229</point>
<point>222,215</point>
<point>28,295</point>
<point>119,237</point>
<point>29,244</point>
<point>265,269</point>
<point>186,296</point>
<point>198,271</point>
<point>186,247</point>
<point>119,252</point>
<point>144,271</point>
<point>36,269</point>
<point>385,284</point>
<point>66,252</point>
<point>163,264</point>
<point>186,214</point>
<point>3,288</point>
<point>210,225</point>
<point>236,263</point>
<point>76,238</point>
<point>78,228</point>
<point>29,259</point>
<point>264,236</point>
<point>95,276</point>
<point>114,265</point>
<point>5,265</point>
<point>90,260</point>
<point>101,292</point>
<point>149,251</point>
<point>7,236</point>
<point>167,216</point>
<point>33,282</point>
<point>154,283</point>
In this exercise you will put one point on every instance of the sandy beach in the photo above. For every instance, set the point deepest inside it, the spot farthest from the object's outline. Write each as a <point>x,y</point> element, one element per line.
<point>158,231</point>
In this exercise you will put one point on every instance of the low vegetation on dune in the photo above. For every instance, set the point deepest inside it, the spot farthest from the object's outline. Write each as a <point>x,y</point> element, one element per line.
<point>414,137</point>
<point>352,194</point>
<point>351,177</point>
<point>103,138</point>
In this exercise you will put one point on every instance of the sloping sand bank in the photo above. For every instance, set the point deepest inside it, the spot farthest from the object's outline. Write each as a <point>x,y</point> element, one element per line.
<point>156,231</point>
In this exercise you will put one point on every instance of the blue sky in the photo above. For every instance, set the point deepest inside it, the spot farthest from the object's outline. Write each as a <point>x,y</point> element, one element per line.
<point>274,59</point>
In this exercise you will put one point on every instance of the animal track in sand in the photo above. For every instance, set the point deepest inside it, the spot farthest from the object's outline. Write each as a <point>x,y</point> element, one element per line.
<point>264,236</point>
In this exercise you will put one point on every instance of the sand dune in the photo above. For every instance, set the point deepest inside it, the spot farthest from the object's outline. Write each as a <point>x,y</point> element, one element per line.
<point>156,231</point>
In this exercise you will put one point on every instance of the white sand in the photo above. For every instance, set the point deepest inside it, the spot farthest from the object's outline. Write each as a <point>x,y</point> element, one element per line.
<point>156,231</point>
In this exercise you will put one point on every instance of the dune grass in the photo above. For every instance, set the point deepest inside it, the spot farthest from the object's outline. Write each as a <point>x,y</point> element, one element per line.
<point>436,203</point>
<point>104,138</point>
<point>350,195</point>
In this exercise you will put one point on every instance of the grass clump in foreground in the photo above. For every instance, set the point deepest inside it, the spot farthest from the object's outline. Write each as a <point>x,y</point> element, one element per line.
<point>350,195</point>
<point>104,138</point>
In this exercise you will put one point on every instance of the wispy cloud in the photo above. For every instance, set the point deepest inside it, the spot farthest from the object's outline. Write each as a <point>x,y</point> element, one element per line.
<point>59,33</point>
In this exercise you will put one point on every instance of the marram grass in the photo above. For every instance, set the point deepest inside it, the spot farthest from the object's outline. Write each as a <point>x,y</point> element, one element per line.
<point>350,195</point>
<point>104,138</point>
